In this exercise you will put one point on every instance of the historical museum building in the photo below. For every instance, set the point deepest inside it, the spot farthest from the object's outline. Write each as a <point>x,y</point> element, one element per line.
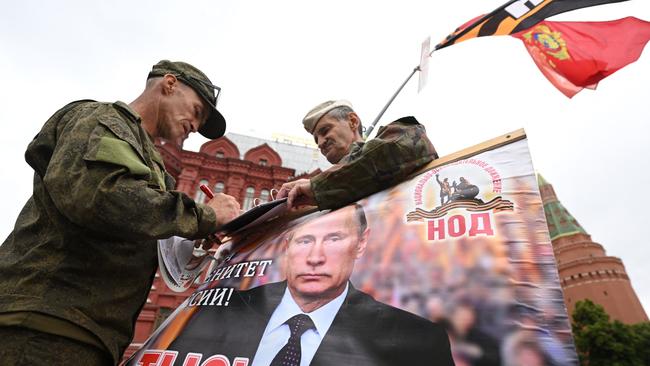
<point>586,271</point>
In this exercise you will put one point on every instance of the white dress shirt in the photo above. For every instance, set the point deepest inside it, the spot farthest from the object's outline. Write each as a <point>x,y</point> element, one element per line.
<point>277,333</point>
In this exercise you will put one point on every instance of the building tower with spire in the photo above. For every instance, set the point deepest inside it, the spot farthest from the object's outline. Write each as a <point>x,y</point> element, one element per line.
<point>586,271</point>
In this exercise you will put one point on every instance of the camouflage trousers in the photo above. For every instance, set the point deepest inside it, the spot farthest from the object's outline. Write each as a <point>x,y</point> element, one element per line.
<point>22,346</point>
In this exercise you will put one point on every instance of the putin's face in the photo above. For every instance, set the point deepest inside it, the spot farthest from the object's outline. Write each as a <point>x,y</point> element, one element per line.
<point>320,256</point>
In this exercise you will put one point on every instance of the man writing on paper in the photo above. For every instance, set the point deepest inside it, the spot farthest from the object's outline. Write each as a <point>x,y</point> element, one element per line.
<point>361,168</point>
<point>316,317</point>
<point>77,268</point>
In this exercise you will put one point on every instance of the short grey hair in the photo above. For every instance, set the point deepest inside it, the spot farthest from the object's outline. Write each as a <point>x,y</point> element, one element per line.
<point>342,113</point>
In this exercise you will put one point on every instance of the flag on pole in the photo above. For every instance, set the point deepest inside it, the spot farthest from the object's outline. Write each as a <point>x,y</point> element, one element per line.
<point>577,55</point>
<point>515,16</point>
<point>424,64</point>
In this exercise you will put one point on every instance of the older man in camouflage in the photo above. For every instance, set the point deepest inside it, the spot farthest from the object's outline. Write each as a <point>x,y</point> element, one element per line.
<point>77,268</point>
<point>361,168</point>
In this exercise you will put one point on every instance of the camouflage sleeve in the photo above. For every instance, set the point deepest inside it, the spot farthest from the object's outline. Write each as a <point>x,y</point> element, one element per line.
<point>98,179</point>
<point>399,149</point>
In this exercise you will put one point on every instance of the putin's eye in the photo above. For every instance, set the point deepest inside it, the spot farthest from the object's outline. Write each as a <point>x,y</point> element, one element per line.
<point>303,241</point>
<point>334,238</point>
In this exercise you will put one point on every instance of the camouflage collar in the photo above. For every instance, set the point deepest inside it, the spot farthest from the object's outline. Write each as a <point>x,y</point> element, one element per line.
<point>128,110</point>
<point>356,148</point>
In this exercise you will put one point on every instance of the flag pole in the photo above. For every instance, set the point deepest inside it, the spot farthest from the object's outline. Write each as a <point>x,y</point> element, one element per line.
<point>372,126</point>
<point>445,43</point>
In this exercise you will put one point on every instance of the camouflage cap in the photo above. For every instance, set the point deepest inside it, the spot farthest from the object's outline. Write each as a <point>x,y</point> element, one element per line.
<point>215,126</point>
<point>311,119</point>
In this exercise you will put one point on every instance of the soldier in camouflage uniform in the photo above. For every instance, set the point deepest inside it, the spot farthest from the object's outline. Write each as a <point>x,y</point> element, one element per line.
<point>361,168</point>
<point>78,266</point>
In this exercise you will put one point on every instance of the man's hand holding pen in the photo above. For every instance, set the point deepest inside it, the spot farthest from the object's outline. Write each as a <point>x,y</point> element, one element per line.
<point>225,208</point>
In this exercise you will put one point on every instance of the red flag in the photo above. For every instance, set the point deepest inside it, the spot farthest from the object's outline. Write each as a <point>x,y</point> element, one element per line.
<point>577,55</point>
<point>515,16</point>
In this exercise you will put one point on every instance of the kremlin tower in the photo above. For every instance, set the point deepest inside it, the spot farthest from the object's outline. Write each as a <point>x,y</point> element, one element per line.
<point>585,270</point>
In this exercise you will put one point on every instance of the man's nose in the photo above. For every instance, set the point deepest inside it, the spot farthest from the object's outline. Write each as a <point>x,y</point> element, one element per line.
<point>194,125</point>
<point>316,255</point>
<point>321,142</point>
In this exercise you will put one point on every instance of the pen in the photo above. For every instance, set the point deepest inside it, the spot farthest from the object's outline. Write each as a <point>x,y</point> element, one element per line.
<point>207,191</point>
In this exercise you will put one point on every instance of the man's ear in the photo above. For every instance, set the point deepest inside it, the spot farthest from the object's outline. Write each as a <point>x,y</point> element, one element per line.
<point>354,121</point>
<point>284,248</point>
<point>169,83</point>
<point>363,242</point>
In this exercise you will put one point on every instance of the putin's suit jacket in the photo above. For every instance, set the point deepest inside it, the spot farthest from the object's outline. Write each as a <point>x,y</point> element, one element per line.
<point>364,331</point>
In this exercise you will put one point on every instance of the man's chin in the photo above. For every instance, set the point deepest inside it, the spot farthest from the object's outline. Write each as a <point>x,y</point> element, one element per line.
<point>177,141</point>
<point>333,157</point>
<point>312,289</point>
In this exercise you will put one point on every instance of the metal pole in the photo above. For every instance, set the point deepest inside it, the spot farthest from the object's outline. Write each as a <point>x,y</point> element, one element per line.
<point>443,44</point>
<point>372,126</point>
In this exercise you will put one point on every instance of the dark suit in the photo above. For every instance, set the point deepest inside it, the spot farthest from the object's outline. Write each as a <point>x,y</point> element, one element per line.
<point>364,331</point>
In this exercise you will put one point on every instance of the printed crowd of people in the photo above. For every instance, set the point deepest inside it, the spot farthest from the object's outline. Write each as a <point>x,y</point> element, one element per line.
<point>500,300</point>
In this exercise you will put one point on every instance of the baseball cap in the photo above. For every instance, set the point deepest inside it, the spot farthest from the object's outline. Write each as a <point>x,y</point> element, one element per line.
<point>311,119</point>
<point>215,126</point>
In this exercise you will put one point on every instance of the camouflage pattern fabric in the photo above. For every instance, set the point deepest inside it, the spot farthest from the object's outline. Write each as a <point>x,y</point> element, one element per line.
<point>400,148</point>
<point>83,248</point>
<point>26,347</point>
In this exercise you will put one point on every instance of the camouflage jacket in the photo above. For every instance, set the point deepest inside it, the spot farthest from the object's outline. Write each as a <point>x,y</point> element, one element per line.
<point>400,148</point>
<point>83,248</point>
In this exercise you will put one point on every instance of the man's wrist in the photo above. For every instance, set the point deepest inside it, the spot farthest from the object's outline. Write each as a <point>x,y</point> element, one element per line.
<point>315,184</point>
<point>207,220</point>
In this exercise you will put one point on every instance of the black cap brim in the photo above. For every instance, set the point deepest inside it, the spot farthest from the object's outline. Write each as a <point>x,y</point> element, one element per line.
<point>215,126</point>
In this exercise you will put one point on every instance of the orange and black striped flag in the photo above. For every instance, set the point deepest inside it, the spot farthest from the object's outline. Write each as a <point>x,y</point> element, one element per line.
<point>515,16</point>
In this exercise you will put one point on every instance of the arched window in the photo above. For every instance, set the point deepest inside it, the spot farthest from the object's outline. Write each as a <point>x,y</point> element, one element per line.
<point>199,197</point>
<point>264,196</point>
<point>248,199</point>
<point>219,187</point>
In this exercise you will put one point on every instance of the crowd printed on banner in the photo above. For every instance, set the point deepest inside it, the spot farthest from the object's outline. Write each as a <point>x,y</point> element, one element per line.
<point>456,226</point>
<point>168,358</point>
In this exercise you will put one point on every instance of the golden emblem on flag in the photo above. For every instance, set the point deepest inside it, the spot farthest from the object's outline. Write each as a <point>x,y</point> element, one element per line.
<point>548,41</point>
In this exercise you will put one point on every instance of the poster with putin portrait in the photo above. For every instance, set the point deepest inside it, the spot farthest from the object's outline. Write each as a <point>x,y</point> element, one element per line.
<point>454,266</point>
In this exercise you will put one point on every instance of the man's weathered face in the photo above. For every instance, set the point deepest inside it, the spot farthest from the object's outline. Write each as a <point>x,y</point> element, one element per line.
<point>320,256</point>
<point>334,137</point>
<point>182,111</point>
